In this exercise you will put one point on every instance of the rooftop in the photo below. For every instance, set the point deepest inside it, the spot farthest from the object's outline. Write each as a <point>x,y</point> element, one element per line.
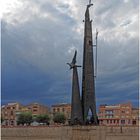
<point>61,104</point>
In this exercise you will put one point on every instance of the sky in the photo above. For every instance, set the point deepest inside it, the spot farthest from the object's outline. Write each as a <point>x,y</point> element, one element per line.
<point>38,38</point>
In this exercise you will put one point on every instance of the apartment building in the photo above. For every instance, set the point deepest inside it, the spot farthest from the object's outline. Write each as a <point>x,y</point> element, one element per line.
<point>11,111</point>
<point>37,109</point>
<point>62,108</point>
<point>135,116</point>
<point>116,115</point>
<point>8,113</point>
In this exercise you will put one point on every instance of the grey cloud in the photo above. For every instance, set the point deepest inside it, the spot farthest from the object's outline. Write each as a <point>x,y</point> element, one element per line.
<point>126,23</point>
<point>46,40</point>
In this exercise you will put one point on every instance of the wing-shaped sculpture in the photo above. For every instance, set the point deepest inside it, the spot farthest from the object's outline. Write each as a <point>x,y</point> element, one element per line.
<point>72,64</point>
<point>90,4</point>
<point>74,58</point>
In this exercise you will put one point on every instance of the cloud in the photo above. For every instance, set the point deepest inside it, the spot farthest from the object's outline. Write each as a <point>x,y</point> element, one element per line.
<point>39,37</point>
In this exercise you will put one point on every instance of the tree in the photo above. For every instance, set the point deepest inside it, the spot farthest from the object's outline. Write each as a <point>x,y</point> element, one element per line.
<point>59,118</point>
<point>25,118</point>
<point>43,118</point>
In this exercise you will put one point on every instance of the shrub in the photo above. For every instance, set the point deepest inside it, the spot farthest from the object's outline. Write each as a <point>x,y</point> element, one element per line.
<point>59,118</point>
<point>25,118</point>
<point>44,118</point>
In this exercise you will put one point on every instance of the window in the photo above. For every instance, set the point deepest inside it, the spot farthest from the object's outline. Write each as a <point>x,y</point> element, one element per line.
<point>111,116</point>
<point>58,109</point>
<point>107,121</point>
<point>11,113</point>
<point>54,110</point>
<point>129,121</point>
<point>63,109</point>
<point>114,121</point>
<point>101,121</point>
<point>124,107</point>
<point>34,106</point>
<point>123,111</point>
<point>134,122</point>
<point>109,111</point>
<point>12,122</point>
<point>122,121</point>
<point>34,110</point>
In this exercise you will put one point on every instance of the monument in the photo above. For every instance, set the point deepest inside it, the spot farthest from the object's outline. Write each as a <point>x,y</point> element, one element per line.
<point>81,107</point>
<point>76,112</point>
<point>88,83</point>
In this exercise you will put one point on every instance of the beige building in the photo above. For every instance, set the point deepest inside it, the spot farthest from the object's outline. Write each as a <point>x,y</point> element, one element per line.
<point>115,115</point>
<point>62,108</point>
<point>8,113</point>
<point>135,116</point>
<point>11,111</point>
<point>37,109</point>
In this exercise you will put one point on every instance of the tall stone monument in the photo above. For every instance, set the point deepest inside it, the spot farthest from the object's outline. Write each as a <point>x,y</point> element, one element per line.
<point>88,83</point>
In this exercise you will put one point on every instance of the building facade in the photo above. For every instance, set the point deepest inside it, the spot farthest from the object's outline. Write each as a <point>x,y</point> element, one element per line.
<point>135,116</point>
<point>62,108</point>
<point>118,115</point>
<point>37,109</point>
<point>11,111</point>
<point>8,113</point>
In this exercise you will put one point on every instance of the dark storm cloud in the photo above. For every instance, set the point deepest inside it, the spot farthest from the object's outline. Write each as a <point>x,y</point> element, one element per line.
<point>40,38</point>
